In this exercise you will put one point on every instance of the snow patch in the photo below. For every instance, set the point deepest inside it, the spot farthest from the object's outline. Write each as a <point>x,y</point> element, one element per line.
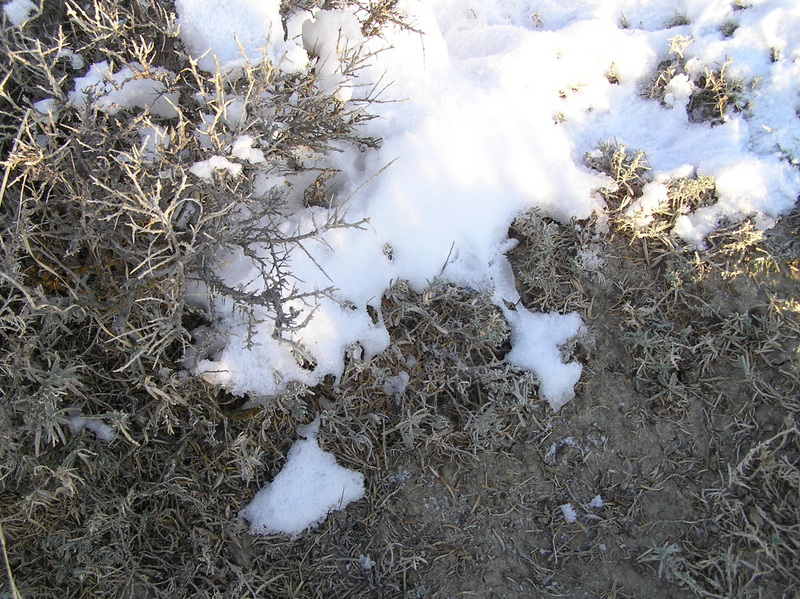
<point>126,88</point>
<point>569,513</point>
<point>243,150</point>
<point>47,110</point>
<point>308,488</point>
<point>535,343</point>
<point>205,168</point>
<point>333,36</point>
<point>19,11</point>
<point>101,430</point>
<point>228,34</point>
<point>154,139</point>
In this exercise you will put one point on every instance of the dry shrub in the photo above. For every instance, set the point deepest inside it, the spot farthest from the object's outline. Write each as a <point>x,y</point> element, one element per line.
<point>103,234</point>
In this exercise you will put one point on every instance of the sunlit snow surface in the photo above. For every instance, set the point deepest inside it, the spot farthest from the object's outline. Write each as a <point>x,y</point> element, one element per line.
<point>496,106</point>
<point>18,11</point>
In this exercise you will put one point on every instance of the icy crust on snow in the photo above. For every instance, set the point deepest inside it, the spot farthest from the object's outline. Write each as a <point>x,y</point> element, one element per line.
<point>309,487</point>
<point>499,103</point>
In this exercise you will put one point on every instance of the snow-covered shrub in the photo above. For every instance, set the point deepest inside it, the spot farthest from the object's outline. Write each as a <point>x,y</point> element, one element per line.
<point>123,194</point>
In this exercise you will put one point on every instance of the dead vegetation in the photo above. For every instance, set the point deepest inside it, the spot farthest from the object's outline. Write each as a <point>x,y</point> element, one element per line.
<point>685,421</point>
<point>105,228</point>
<point>695,324</point>
<point>713,91</point>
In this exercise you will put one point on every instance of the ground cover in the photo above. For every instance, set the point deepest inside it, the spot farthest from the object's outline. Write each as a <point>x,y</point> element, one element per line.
<point>174,238</point>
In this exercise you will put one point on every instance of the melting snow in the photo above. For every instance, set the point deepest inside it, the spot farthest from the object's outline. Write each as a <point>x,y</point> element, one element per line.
<point>309,486</point>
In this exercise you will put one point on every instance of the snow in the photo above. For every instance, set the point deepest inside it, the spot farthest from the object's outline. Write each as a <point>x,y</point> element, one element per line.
<point>243,149</point>
<point>678,91</point>
<point>47,110</point>
<point>127,88</point>
<point>366,562</point>
<point>100,429</point>
<point>569,513</point>
<point>230,33</point>
<point>654,195</point>
<point>331,35</point>
<point>205,168</point>
<point>309,486</point>
<point>153,139</point>
<point>535,341</point>
<point>19,11</point>
<point>497,105</point>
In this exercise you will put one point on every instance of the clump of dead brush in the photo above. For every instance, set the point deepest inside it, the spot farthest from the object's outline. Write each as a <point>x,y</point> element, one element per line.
<point>102,235</point>
<point>546,263</point>
<point>630,174</point>
<point>442,382</point>
<point>679,338</point>
<point>714,91</point>
<point>752,519</point>
<point>681,322</point>
<point>628,171</point>
<point>374,15</point>
<point>676,325</point>
<point>757,510</point>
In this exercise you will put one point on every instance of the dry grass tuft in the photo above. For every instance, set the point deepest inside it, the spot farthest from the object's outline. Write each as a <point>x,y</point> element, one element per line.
<point>627,169</point>
<point>757,510</point>
<point>548,263</point>
<point>442,382</point>
<point>714,91</point>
